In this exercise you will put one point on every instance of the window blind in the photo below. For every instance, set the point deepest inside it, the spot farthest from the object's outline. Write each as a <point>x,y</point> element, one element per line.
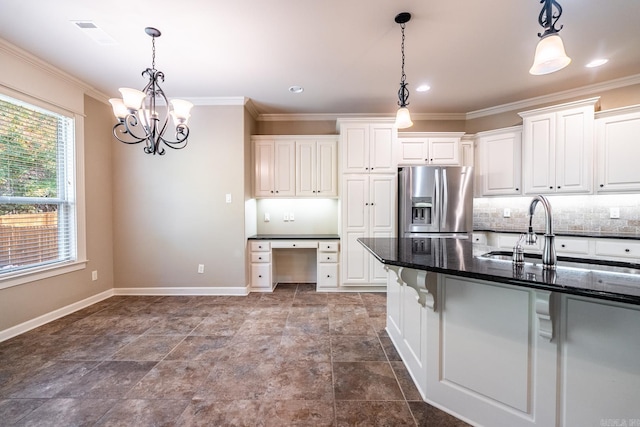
<point>37,187</point>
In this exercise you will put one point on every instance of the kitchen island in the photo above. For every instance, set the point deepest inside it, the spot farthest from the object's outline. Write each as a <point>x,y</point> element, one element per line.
<point>500,345</point>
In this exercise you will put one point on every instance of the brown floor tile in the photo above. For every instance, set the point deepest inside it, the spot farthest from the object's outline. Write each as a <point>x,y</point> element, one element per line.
<point>108,380</point>
<point>362,413</point>
<point>297,413</point>
<point>148,348</point>
<point>174,325</point>
<point>51,379</point>
<point>13,410</point>
<point>199,348</point>
<point>349,320</point>
<point>141,413</point>
<point>407,385</point>
<point>349,348</point>
<point>306,348</point>
<point>429,416</point>
<point>207,413</point>
<point>171,380</point>
<point>67,412</point>
<point>365,381</point>
<point>390,349</point>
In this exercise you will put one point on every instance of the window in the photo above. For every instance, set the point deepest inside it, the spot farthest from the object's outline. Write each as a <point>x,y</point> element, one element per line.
<point>37,188</point>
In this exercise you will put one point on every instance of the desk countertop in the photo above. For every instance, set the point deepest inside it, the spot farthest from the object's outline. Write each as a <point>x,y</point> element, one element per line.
<point>295,237</point>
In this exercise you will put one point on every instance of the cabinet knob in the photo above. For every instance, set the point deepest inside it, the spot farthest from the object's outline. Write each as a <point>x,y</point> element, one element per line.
<point>260,275</point>
<point>328,257</point>
<point>601,185</point>
<point>366,204</point>
<point>271,191</point>
<point>294,245</point>
<point>517,189</point>
<point>627,250</point>
<point>259,257</point>
<point>551,187</point>
<point>328,275</point>
<point>563,245</point>
<point>371,168</point>
<point>558,187</point>
<point>277,191</point>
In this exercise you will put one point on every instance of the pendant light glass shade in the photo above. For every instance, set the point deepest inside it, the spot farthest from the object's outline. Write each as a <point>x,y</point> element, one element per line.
<point>550,56</point>
<point>403,118</point>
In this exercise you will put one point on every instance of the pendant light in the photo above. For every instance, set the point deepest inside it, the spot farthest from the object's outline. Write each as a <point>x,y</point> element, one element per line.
<point>550,55</point>
<point>403,117</point>
<point>143,116</point>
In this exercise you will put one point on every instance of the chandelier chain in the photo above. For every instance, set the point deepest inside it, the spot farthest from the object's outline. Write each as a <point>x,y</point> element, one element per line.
<point>403,78</point>
<point>153,53</point>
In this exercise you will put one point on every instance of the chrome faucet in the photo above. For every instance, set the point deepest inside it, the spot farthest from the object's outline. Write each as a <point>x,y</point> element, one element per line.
<point>549,250</point>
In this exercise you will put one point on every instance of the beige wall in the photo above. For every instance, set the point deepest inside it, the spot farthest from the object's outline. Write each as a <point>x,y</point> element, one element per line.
<point>28,301</point>
<point>170,212</point>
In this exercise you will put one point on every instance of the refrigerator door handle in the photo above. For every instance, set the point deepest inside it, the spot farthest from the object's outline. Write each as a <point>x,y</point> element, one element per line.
<point>445,199</point>
<point>437,191</point>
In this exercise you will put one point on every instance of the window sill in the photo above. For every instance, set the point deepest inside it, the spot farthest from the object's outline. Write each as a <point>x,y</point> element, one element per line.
<point>15,279</point>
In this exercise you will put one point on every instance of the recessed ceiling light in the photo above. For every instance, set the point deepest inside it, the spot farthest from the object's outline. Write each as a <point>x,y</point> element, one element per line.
<point>597,63</point>
<point>296,89</point>
<point>423,88</point>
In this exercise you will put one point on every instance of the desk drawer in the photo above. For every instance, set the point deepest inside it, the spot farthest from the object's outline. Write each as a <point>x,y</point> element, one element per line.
<point>328,276</point>
<point>328,247</point>
<point>571,246</point>
<point>294,244</point>
<point>261,257</point>
<point>327,257</point>
<point>261,276</point>
<point>260,246</point>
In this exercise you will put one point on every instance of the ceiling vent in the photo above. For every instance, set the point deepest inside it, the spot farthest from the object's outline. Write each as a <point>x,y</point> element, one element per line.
<point>95,33</point>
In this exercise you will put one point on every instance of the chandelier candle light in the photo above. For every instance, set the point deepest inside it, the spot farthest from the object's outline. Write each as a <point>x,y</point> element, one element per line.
<point>139,116</point>
<point>550,55</point>
<point>403,118</point>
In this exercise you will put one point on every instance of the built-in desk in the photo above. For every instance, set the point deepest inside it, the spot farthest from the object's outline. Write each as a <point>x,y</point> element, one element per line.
<point>263,266</point>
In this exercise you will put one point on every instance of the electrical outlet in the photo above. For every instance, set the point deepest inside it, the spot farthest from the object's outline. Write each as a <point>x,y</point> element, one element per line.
<point>506,213</point>
<point>286,216</point>
<point>267,217</point>
<point>614,213</point>
<point>200,268</point>
<point>94,275</point>
<point>228,198</point>
<point>291,216</point>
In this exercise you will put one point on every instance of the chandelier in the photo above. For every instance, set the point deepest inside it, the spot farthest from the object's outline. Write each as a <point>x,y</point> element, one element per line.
<point>144,115</point>
<point>403,118</point>
<point>550,55</point>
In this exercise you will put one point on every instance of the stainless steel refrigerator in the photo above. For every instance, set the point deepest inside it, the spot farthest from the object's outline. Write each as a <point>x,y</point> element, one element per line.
<point>435,201</point>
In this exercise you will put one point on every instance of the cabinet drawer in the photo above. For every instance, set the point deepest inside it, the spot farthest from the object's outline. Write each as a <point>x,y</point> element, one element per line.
<point>572,246</point>
<point>626,249</point>
<point>261,276</point>
<point>327,257</point>
<point>508,241</point>
<point>261,257</point>
<point>295,244</point>
<point>260,246</point>
<point>328,275</point>
<point>479,238</point>
<point>328,246</point>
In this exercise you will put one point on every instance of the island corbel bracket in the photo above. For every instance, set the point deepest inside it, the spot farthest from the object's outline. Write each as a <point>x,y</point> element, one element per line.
<point>543,306</point>
<point>424,283</point>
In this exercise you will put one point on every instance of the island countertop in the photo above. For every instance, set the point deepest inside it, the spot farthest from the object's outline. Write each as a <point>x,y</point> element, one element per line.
<point>460,257</point>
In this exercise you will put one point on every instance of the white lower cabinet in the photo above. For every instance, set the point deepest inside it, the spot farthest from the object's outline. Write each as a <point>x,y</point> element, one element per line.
<point>263,268</point>
<point>260,252</point>
<point>328,263</point>
<point>500,355</point>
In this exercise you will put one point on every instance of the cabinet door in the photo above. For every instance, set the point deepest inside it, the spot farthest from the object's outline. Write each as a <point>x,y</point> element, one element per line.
<point>381,142</point>
<point>466,153</point>
<point>306,173</point>
<point>382,218</point>
<point>327,168</point>
<point>355,148</point>
<point>444,151</point>
<point>573,148</point>
<point>539,162</point>
<point>355,224</point>
<point>618,141</point>
<point>264,162</point>
<point>285,170</point>
<point>413,151</point>
<point>500,163</point>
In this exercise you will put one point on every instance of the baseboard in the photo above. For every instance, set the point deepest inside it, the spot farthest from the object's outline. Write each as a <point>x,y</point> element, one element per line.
<point>53,315</point>
<point>214,291</point>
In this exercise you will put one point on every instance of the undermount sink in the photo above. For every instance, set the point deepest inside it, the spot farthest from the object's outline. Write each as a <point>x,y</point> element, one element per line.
<point>568,262</point>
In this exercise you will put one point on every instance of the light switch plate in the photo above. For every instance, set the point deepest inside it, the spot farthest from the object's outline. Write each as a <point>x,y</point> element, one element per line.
<point>506,213</point>
<point>614,213</point>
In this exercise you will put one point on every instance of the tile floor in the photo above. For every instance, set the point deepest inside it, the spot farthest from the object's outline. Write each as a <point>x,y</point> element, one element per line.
<point>291,358</point>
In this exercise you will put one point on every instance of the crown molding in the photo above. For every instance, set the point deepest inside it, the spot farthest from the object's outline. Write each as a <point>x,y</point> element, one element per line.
<point>335,117</point>
<point>556,97</point>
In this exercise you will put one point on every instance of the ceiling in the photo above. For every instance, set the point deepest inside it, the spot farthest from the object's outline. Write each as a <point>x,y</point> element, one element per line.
<point>345,53</point>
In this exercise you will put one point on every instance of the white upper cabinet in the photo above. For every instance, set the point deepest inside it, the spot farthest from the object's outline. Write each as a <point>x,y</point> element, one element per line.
<point>368,147</point>
<point>316,167</point>
<point>295,166</point>
<point>558,147</point>
<point>499,156</point>
<point>274,168</point>
<point>429,148</point>
<point>618,150</point>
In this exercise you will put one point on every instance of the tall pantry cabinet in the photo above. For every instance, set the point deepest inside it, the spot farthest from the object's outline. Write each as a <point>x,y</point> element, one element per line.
<point>368,196</point>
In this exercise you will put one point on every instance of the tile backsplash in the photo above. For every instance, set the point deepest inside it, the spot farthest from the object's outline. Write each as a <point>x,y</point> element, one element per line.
<point>570,213</point>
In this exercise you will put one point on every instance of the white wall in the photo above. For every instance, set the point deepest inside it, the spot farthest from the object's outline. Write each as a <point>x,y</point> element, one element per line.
<point>170,212</point>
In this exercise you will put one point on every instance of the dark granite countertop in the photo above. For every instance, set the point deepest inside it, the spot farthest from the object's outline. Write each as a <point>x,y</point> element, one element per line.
<point>592,234</point>
<point>460,257</point>
<point>295,237</point>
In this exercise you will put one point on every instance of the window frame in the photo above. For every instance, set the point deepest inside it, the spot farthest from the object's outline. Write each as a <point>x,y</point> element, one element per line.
<point>75,167</point>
